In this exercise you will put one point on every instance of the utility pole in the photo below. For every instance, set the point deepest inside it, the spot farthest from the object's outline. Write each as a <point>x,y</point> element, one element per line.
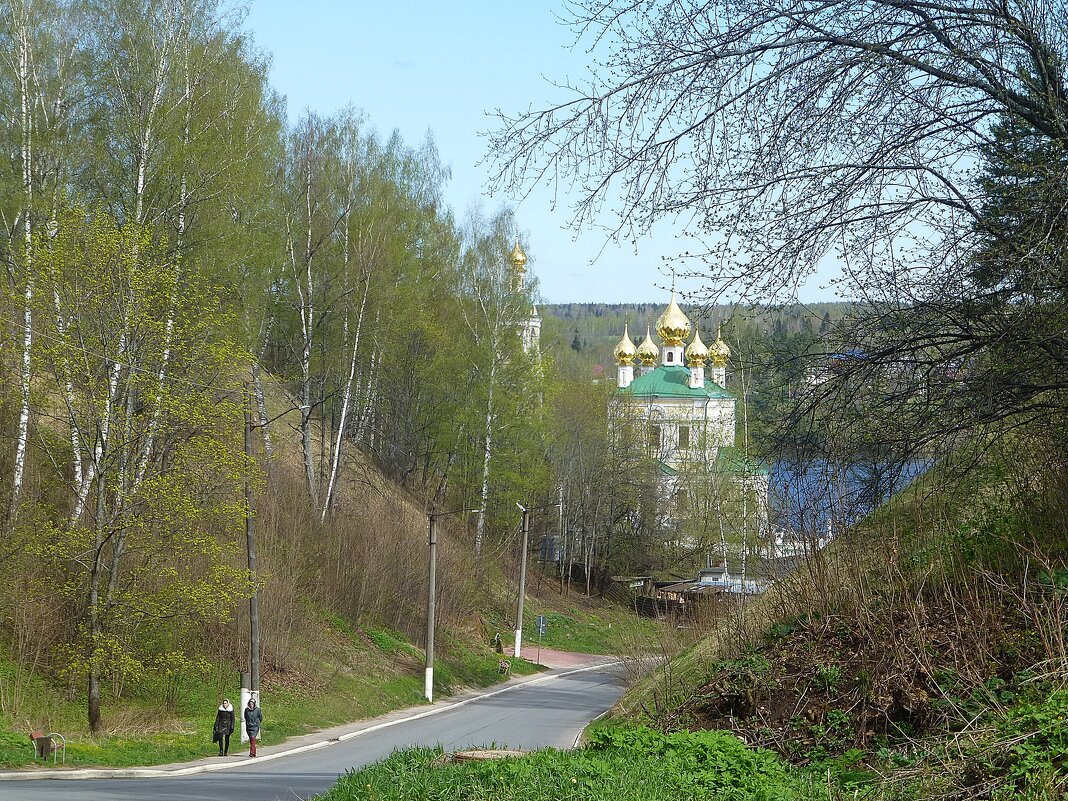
<point>428,687</point>
<point>522,580</point>
<point>431,598</point>
<point>250,682</point>
<point>250,545</point>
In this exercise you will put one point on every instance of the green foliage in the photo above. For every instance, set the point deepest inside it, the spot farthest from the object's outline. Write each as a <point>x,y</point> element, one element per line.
<point>828,677</point>
<point>619,764</point>
<point>1035,744</point>
<point>392,643</point>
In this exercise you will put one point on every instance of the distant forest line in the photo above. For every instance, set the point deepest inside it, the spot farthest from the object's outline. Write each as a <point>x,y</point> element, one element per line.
<point>591,330</point>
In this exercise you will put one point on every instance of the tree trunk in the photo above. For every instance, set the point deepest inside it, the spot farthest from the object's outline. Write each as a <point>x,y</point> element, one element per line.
<point>306,308</point>
<point>23,435</point>
<point>261,412</point>
<point>345,403</point>
<point>487,451</point>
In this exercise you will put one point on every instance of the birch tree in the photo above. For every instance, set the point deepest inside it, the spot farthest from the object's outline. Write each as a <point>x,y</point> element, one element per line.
<point>492,311</point>
<point>168,487</point>
<point>312,218</point>
<point>42,87</point>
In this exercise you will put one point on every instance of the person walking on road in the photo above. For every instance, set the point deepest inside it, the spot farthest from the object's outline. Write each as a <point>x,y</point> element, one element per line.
<point>253,721</point>
<point>224,726</point>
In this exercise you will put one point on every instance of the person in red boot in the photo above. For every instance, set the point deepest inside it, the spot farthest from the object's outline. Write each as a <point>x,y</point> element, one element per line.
<point>253,721</point>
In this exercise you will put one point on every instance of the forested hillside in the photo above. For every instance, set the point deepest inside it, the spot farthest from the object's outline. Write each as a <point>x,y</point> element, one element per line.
<point>244,356</point>
<point>226,332</point>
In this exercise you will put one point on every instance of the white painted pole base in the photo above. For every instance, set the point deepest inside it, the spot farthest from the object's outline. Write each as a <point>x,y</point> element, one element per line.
<point>240,712</point>
<point>428,686</point>
<point>518,641</point>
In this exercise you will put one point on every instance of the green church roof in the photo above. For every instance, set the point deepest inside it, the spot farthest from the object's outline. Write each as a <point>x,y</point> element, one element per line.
<point>673,382</point>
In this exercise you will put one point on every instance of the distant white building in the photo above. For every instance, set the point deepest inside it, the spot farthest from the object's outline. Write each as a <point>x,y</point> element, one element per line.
<point>529,326</point>
<point>679,403</point>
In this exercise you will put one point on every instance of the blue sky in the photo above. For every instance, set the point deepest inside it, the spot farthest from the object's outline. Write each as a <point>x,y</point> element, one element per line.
<point>439,67</point>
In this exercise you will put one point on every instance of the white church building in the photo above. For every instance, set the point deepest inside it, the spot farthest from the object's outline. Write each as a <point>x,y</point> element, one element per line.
<point>676,395</point>
<point>686,410</point>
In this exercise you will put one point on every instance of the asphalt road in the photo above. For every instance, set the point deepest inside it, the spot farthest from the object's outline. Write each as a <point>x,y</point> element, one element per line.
<point>548,713</point>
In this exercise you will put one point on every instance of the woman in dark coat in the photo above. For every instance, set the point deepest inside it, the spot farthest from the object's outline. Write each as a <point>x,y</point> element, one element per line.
<point>253,721</point>
<point>224,727</point>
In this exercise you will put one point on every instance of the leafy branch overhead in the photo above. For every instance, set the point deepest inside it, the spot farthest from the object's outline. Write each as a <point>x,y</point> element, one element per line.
<point>789,134</point>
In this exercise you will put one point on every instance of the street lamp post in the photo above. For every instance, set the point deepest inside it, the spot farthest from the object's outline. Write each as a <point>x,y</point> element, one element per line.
<point>432,536</point>
<point>523,573</point>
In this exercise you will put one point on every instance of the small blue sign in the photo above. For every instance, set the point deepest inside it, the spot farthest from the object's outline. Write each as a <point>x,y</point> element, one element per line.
<point>542,625</point>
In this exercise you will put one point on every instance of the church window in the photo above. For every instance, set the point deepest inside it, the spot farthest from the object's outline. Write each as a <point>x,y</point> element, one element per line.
<point>684,437</point>
<point>670,356</point>
<point>654,437</point>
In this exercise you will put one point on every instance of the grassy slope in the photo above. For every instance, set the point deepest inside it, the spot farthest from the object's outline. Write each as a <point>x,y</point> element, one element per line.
<point>927,646</point>
<point>360,675</point>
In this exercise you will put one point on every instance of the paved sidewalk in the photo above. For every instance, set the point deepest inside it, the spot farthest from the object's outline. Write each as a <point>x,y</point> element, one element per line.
<point>559,662</point>
<point>556,660</point>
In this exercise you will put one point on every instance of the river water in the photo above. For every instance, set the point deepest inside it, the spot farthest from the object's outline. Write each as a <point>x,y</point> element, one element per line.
<point>813,497</point>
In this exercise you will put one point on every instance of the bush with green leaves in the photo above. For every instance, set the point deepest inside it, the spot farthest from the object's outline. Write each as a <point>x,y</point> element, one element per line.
<point>1034,745</point>
<point>619,763</point>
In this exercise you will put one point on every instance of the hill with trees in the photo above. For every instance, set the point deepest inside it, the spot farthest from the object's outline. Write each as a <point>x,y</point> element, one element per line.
<point>244,359</point>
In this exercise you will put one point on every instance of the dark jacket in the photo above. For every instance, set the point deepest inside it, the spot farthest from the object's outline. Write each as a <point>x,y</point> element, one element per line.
<point>224,724</point>
<point>253,721</point>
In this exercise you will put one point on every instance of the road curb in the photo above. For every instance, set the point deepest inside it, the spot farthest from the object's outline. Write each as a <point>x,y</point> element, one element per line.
<point>158,773</point>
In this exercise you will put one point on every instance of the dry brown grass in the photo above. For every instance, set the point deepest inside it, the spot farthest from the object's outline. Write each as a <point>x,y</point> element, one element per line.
<point>942,583</point>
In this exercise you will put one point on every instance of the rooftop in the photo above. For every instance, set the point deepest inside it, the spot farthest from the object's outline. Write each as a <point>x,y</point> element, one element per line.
<point>672,382</point>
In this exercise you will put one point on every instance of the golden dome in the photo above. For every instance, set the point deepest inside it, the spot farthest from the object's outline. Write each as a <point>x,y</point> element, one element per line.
<point>673,326</point>
<point>719,351</point>
<point>518,258</point>
<point>625,351</point>
<point>647,351</point>
<point>696,353</point>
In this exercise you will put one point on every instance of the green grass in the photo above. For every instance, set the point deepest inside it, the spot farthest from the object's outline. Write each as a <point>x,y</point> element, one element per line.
<point>619,764</point>
<point>606,631</point>
<point>393,680</point>
<point>471,668</point>
<point>393,643</point>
